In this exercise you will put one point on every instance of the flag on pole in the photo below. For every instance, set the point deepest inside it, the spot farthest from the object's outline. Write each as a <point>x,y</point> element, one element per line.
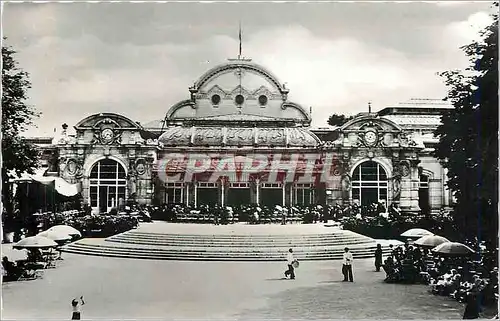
<point>239,36</point>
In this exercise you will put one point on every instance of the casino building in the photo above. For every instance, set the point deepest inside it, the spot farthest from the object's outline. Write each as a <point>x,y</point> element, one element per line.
<point>239,110</point>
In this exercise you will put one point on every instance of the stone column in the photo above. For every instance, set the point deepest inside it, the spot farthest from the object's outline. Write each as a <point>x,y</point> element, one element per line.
<point>404,185</point>
<point>195,194</point>
<point>188,196</point>
<point>86,189</point>
<point>435,194</point>
<point>223,192</point>
<point>415,186</point>
<point>257,191</point>
<point>410,182</point>
<point>283,194</point>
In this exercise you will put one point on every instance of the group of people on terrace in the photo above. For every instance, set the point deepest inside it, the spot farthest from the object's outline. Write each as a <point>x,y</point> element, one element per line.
<point>474,282</point>
<point>261,214</point>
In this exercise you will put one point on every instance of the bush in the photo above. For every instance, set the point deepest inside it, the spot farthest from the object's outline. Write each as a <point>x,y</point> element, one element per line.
<point>90,225</point>
<point>379,227</point>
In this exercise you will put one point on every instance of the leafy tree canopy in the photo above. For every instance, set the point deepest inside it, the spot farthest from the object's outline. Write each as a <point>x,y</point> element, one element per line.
<point>17,154</point>
<point>338,120</point>
<point>468,137</point>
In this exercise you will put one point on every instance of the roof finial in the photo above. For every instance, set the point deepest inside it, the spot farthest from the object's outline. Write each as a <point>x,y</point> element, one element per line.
<point>369,107</point>
<point>240,56</point>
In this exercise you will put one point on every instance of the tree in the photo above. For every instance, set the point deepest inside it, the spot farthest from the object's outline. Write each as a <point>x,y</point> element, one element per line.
<point>338,120</point>
<point>18,156</point>
<point>468,141</point>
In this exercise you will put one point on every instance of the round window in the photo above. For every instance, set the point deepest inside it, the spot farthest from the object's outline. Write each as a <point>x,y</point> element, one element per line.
<point>262,100</point>
<point>239,99</point>
<point>215,99</point>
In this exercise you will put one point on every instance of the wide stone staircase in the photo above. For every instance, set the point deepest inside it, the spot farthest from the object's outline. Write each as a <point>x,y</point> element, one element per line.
<point>227,247</point>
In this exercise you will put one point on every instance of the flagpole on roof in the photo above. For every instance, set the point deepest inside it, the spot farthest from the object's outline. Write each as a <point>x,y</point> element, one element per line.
<point>239,36</point>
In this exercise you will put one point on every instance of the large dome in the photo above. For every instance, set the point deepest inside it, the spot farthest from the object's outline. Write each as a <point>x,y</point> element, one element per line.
<point>238,137</point>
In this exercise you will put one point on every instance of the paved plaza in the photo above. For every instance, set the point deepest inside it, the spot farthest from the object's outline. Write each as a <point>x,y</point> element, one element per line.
<point>141,289</point>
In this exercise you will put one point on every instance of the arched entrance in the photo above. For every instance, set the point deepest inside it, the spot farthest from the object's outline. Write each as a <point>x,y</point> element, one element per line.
<point>369,183</point>
<point>108,183</point>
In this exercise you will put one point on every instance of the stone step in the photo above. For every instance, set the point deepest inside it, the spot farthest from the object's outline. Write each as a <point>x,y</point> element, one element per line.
<point>325,236</point>
<point>223,243</point>
<point>269,243</point>
<point>239,238</point>
<point>204,257</point>
<point>237,254</point>
<point>235,250</point>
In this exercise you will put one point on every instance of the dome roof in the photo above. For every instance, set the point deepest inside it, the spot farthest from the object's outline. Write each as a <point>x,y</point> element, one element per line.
<point>234,136</point>
<point>238,87</point>
<point>240,64</point>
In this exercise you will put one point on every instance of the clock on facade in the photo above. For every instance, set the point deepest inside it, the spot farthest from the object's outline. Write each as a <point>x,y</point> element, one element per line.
<point>107,135</point>
<point>370,137</point>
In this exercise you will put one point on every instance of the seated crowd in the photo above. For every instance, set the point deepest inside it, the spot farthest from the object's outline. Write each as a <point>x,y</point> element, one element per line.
<point>250,213</point>
<point>31,267</point>
<point>455,277</point>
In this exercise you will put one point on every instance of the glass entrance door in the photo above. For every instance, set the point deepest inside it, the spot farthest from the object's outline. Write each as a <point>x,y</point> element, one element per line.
<point>107,185</point>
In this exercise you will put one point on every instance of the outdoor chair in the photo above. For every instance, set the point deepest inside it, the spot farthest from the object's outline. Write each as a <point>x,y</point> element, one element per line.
<point>29,274</point>
<point>19,273</point>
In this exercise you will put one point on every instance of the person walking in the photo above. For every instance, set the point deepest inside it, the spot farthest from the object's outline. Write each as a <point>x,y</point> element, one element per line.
<point>76,308</point>
<point>289,260</point>
<point>378,258</point>
<point>347,265</point>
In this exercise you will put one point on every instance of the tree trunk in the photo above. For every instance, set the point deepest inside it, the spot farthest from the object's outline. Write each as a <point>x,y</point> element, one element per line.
<point>8,215</point>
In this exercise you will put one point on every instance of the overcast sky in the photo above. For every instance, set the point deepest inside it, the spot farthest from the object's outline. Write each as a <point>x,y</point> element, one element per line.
<point>139,59</point>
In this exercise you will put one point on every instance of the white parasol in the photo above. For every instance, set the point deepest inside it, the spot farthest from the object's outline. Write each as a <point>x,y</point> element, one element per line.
<point>35,242</point>
<point>453,249</point>
<point>416,233</point>
<point>431,240</point>
<point>55,235</point>
<point>66,229</point>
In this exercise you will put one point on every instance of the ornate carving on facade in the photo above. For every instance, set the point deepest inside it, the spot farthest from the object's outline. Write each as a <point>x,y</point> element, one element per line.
<point>107,136</point>
<point>339,167</point>
<point>210,136</point>
<point>396,188</point>
<point>240,136</point>
<point>71,166</point>
<point>405,168</point>
<point>271,136</point>
<point>140,166</point>
<point>176,136</point>
<point>346,182</point>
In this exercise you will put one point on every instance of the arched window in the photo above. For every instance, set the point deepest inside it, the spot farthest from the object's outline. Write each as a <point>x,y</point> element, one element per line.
<point>108,182</point>
<point>369,183</point>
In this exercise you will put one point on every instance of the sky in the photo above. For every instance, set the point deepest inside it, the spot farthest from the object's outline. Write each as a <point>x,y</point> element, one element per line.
<point>138,59</point>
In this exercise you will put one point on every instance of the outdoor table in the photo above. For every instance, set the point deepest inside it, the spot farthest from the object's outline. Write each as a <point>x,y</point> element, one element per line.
<point>30,265</point>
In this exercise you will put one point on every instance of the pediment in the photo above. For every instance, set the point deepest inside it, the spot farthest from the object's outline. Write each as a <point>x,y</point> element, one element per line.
<point>215,89</point>
<point>240,90</point>
<point>107,119</point>
<point>365,122</point>
<point>263,90</point>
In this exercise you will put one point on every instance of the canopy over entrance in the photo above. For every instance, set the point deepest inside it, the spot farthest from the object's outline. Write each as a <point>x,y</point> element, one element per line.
<point>61,186</point>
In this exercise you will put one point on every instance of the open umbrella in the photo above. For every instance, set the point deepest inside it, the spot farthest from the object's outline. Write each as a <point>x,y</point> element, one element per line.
<point>55,235</point>
<point>35,242</point>
<point>65,229</point>
<point>416,233</point>
<point>453,249</point>
<point>431,241</point>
